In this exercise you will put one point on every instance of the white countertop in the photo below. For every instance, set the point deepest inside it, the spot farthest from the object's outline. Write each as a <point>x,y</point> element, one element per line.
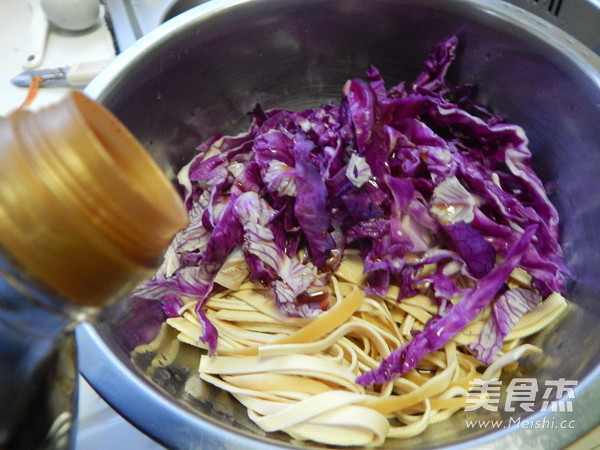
<point>62,49</point>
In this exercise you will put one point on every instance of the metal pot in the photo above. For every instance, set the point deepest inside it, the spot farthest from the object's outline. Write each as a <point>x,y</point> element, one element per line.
<point>199,74</point>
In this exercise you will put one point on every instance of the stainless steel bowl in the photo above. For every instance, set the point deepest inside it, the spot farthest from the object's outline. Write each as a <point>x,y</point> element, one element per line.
<point>200,73</point>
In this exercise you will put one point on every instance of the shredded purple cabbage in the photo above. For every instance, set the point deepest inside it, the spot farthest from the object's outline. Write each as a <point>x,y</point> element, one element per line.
<point>439,329</point>
<point>506,312</point>
<point>416,174</point>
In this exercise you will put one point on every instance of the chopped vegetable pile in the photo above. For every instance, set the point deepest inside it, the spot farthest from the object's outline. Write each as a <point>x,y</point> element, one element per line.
<point>411,176</point>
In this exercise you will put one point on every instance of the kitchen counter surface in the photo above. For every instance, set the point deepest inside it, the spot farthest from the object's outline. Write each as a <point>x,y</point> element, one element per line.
<point>62,48</point>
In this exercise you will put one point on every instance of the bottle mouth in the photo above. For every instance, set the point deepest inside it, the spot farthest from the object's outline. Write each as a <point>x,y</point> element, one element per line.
<point>83,207</point>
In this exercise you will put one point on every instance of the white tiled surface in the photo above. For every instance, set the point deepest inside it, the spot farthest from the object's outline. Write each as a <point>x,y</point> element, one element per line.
<point>61,49</point>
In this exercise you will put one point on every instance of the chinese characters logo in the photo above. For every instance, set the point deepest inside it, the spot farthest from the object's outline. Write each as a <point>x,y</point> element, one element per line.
<point>521,393</point>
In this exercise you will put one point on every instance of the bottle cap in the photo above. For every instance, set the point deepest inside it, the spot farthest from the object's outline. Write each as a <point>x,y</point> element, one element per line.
<point>83,207</point>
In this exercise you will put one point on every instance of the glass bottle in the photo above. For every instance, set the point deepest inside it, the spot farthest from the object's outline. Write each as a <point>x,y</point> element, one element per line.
<point>85,214</point>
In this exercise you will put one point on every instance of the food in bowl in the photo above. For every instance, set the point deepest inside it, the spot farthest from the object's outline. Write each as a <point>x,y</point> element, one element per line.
<point>350,271</point>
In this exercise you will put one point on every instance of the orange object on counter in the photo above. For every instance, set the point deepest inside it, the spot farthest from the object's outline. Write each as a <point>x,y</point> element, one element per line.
<point>32,92</point>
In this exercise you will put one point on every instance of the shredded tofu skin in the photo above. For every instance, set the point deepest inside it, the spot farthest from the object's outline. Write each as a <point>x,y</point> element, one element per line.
<point>297,375</point>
